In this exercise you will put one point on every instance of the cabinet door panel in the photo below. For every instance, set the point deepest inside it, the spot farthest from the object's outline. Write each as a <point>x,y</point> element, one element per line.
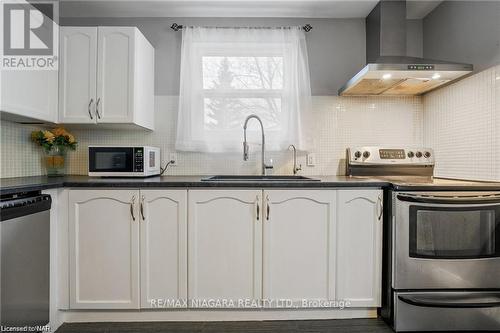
<point>163,247</point>
<point>115,74</point>
<point>359,247</point>
<point>104,249</point>
<point>78,70</point>
<point>224,240</point>
<point>299,234</point>
<point>29,93</point>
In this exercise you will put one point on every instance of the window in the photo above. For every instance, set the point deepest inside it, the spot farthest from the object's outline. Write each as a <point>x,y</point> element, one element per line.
<point>228,74</point>
<point>235,86</point>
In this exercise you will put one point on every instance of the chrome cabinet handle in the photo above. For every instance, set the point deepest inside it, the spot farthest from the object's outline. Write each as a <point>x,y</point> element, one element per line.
<point>258,207</point>
<point>132,204</point>
<point>97,108</point>
<point>90,107</point>
<point>268,209</point>
<point>380,207</point>
<point>142,208</point>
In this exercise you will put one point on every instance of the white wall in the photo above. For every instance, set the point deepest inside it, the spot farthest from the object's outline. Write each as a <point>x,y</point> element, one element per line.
<point>462,124</point>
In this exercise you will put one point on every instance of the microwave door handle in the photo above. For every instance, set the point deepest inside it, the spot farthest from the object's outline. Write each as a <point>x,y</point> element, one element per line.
<point>493,199</point>
<point>442,302</point>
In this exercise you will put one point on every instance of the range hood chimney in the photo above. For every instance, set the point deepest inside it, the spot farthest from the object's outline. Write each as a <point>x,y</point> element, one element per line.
<point>389,71</point>
<point>386,30</point>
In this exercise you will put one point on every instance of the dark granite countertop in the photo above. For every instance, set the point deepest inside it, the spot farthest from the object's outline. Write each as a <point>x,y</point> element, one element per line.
<point>23,184</point>
<point>34,183</point>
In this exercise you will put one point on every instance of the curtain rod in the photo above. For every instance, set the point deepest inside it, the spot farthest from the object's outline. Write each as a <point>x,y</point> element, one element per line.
<point>177,27</point>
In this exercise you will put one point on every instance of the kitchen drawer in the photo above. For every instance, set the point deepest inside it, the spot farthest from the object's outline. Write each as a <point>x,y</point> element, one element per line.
<point>446,311</point>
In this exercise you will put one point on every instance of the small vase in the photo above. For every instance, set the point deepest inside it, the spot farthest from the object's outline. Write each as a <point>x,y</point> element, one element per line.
<point>55,159</point>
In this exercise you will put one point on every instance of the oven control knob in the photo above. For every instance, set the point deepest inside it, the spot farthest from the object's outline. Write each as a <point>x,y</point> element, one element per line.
<point>366,154</point>
<point>411,154</point>
<point>357,154</point>
<point>418,154</point>
<point>427,154</point>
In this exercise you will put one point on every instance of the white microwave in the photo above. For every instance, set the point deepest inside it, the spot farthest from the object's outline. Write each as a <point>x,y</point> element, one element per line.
<point>124,161</point>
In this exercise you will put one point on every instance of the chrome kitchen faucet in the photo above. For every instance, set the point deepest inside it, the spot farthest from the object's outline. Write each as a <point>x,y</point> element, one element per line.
<point>296,168</point>
<point>264,166</point>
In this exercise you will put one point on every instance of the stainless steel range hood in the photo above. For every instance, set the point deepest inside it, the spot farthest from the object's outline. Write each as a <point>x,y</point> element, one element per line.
<point>389,71</point>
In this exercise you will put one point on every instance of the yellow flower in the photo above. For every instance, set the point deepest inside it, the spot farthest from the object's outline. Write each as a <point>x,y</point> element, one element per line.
<point>48,136</point>
<point>70,138</point>
<point>59,131</point>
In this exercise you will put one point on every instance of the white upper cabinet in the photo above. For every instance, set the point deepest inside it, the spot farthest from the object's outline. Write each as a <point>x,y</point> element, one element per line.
<point>107,76</point>
<point>104,249</point>
<point>359,247</point>
<point>115,72</point>
<point>78,63</point>
<point>224,245</point>
<point>163,216</point>
<point>299,245</point>
<point>29,95</point>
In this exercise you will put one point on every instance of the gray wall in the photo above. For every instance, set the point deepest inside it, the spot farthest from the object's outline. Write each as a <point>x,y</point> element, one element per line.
<point>464,31</point>
<point>336,47</point>
<point>414,38</point>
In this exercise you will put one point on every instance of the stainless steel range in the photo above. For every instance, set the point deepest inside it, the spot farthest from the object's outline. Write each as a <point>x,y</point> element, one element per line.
<point>441,243</point>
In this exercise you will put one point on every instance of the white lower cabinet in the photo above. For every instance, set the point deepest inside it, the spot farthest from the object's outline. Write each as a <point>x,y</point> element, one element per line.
<point>127,248</point>
<point>104,249</point>
<point>163,248</point>
<point>224,246</point>
<point>132,248</point>
<point>359,247</point>
<point>299,246</point>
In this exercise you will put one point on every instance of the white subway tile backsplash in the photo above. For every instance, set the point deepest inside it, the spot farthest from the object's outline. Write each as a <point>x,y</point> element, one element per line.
<point>339,122</point>
<point>18,155</point>
<point>462,124</point>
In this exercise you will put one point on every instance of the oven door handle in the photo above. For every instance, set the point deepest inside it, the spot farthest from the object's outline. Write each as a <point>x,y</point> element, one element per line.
<point>491,199</point>
<point>456,303</point>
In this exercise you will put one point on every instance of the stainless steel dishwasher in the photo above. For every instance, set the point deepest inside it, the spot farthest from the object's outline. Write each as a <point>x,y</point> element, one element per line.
<point>25,258</point>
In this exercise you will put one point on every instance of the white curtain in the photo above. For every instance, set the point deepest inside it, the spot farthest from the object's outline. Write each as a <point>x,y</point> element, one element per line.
<point>230,73</point>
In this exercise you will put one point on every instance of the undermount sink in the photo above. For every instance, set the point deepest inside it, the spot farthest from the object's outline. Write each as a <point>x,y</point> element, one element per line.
<point>236,178</point>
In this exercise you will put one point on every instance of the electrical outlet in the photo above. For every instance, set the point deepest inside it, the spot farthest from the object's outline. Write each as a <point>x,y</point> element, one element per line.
<point>311,159</point>
<point>173,157</point>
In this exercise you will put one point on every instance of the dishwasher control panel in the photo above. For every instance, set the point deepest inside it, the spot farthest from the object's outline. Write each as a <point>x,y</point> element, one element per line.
<point>15,205</point>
